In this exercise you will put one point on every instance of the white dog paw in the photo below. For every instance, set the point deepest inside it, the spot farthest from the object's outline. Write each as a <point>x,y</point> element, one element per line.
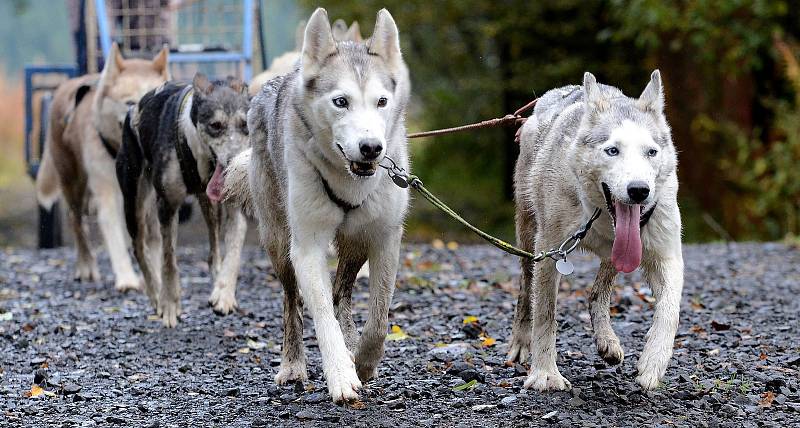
<point>170,310</point>
<point>651,370</point>
<point>520,349</point>
<point>343,382</point>
<point>87,272</point>
<point>291,372</point>
<point>223,300</point>
<point>542,380</point>
<point>128,284</point>
<point>610,350</point>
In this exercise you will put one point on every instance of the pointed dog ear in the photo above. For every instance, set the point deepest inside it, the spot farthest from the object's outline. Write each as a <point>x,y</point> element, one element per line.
<point>385,40</point>
<point>354,33</point>
<point>201,84</point>
<point>161,62</point>
<point>594,101</point>
<point>652,98</point>
<point>115,63</point>
<point>339,29</point>
<point>318,42</point>
<point>237,85</point>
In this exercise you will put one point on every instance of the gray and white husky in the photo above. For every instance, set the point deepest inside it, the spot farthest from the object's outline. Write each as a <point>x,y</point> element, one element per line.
<point>318,135</point>
<point>585,148</point>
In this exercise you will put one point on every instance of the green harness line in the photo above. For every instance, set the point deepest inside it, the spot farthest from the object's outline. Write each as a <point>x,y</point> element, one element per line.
<point>403,180</point>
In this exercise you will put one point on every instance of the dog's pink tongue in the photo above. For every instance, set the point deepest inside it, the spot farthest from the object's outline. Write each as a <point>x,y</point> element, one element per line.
<point>626,254</point>
<point>214,188</point>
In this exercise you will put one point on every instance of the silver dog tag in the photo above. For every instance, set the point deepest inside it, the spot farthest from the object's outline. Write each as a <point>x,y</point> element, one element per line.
<point>565,267</point>
<point>400,181</point>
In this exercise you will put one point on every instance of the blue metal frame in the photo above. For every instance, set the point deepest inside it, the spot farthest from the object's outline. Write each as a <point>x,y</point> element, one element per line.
<point>244,57</point>
<point>69,71</point>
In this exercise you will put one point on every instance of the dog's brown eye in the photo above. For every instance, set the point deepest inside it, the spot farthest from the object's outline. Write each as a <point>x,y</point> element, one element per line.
<point>216,126</point>
<point>652,152</point>
<point>382,102</point>
<point>340,102</point>
<point>612,151</point>
<point>243,127</point>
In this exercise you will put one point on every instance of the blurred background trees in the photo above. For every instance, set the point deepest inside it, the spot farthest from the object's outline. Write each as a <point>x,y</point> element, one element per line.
<point>731,103</point>
<point>730,69</point>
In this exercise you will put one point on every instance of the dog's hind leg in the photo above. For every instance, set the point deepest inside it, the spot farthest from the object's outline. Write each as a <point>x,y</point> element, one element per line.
<point>211,213</point>
<point>293,356</point>
<point>384,257</point>
<point>147,241</point>
<point>223,296</point>
<point>169,300</point>
<point>544,374</point>
<point>352,256</point>
<point>666,279</point>
<point>76,197</point>
<point>607,342</point>
<point>106,192</point>
<point>520,346</point>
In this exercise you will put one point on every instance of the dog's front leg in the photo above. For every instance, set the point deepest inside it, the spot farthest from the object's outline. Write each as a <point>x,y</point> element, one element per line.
<point>223,297</point>
<point>352,256</point>
<point>309,243</point>
<point>607,342</point>
<point>169,300</point>
<point>384,257</point>
<point>544,375</point>
<point>665,276</point>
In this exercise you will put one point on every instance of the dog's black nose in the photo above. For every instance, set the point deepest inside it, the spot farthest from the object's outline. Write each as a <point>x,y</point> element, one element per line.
<point>370,148</point>
<point>638,191</point>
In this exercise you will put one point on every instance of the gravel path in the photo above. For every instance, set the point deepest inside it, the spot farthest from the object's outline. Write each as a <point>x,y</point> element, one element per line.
<point>103,362</point>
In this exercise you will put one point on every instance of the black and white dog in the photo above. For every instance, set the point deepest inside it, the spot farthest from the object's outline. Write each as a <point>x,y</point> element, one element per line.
<point>177,141</point>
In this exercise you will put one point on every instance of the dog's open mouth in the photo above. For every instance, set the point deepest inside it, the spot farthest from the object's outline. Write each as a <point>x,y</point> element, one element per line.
<point>626,253</point>
<point>361,169</point>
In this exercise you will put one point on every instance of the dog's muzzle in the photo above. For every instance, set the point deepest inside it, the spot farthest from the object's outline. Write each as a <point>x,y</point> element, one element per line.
<point>361,169</point>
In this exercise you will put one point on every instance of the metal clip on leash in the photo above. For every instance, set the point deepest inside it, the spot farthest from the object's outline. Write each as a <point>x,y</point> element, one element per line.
<point>403,180</point>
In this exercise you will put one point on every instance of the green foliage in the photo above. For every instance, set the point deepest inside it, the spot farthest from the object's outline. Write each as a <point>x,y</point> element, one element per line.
<point>732,111</point>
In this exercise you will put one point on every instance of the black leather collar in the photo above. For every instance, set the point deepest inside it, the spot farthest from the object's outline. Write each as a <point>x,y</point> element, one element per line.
<point>344,205</point>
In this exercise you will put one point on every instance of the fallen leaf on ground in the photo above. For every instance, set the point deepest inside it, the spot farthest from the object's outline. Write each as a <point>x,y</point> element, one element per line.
<point>397,334</point>
<point>437,244</point>
<point>35,391</point>
<point>358,405</point>
<point>470,319</point>
<point>244,350</point>
<point>6,316</point>
<point>766,399</point>
<point>488,341</point>
<point>452,245</point>
<point>252,344</point>
<point>469,385</point>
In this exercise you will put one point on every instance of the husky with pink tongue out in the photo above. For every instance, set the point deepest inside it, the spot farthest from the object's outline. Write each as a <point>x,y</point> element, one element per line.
<point>587,147</point>
<point>177,142</point>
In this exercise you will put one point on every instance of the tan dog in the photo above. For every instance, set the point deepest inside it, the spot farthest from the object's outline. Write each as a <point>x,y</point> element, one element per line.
<point>84,135</point>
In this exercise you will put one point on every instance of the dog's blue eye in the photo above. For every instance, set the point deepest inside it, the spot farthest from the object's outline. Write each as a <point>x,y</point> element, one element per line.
<point>612,151</point>
<point>340,102</point>
<point>382,102</point>
<point>652,152</point>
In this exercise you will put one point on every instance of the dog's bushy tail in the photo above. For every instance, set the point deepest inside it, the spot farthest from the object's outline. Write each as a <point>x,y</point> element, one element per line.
<point>48,187</point>
<point>236,190</point>
<point>130,165</point>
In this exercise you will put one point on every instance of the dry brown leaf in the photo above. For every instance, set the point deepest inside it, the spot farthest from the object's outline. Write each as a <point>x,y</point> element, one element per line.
<point>766,399</point>
<point>35,391</point>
